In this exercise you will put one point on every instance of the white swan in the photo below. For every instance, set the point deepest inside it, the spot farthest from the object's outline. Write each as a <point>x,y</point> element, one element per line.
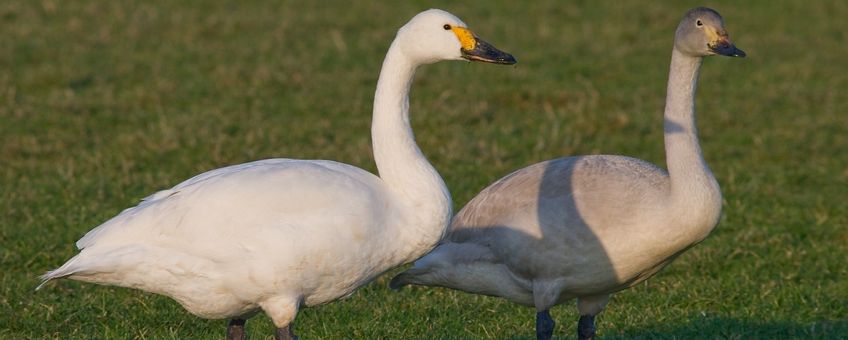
<point>588,226</point>
<point>279,234</point>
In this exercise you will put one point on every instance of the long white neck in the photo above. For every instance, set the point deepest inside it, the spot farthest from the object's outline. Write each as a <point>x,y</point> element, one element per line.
<point>694,190</point>
<point>400,163</point>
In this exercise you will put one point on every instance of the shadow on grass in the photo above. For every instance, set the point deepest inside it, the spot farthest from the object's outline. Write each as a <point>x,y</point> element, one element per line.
<point>730,328</point>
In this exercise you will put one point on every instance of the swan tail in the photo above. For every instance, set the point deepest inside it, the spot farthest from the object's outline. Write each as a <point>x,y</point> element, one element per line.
<point>463,266</point>
<point>67,269</point>
<point>97,266</point>
<point>408,277</point>
<point>426,270</point>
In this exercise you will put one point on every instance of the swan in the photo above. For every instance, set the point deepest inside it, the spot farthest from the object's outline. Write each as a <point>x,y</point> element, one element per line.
<point>280,234</point>
<point>587,226</point>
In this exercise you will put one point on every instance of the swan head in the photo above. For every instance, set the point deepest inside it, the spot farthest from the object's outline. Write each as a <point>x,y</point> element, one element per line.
<point>701,33</point>
<point>435,35</point>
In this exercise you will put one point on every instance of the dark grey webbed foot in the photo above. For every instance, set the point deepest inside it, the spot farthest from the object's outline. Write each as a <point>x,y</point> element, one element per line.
<point>544,325</point>
<point>586,327</point>
<point>285,333</point>
<point>235,330</point>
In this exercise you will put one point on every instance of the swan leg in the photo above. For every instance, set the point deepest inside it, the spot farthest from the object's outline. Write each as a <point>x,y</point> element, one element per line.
<point>588,307</point>
<point>544,325</point>
<point>282,310</point>
<point>285,333</point>
<point>586,327</point>
<point>235,330</point>
<point>545,295</point>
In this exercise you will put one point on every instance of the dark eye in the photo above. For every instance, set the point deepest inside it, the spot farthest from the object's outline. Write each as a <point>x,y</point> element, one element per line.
<point>699,23</point>
<point>446,27</point>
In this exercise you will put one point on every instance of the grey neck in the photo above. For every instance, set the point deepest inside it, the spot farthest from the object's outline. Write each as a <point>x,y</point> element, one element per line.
<point>687,169</point>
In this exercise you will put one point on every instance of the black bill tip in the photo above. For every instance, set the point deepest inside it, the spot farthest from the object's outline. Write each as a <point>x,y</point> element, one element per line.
<point>487,53</point>
<point>727,49</point>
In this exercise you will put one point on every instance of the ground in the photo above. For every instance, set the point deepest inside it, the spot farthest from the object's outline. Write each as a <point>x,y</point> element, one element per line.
<point>103,103</point>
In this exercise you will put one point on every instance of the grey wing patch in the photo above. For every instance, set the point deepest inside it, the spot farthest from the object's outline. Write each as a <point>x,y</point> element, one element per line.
<point>519,188</point>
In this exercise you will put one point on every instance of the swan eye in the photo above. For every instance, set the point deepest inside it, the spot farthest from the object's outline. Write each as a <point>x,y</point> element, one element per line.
<point>447,27</point>
<point>699,23</point>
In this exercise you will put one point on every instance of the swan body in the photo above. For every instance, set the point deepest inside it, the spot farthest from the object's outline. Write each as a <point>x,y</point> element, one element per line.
<point>587,226</point>
<point>278,234</point>
<point>190,243</point>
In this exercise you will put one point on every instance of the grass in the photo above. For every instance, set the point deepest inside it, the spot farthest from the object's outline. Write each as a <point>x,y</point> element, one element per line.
<point>102,103</point>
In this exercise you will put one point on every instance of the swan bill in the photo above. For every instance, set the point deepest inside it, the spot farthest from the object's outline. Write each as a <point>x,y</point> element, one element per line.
<point>487,53</point>
<point>723,46</point>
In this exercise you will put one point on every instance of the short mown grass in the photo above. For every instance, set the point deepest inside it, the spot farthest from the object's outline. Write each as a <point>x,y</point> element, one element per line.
<point>102,103</point>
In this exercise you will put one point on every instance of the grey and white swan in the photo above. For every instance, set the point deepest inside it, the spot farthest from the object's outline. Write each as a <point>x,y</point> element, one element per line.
<point>587,226</point>
<point>277,235</point>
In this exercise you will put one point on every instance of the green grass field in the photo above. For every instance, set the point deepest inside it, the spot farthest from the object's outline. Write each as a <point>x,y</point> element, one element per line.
<point>103,103</point>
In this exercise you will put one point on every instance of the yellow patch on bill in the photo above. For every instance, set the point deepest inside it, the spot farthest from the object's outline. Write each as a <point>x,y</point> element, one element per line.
<point>713,33</point>
<point>466,38</point>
